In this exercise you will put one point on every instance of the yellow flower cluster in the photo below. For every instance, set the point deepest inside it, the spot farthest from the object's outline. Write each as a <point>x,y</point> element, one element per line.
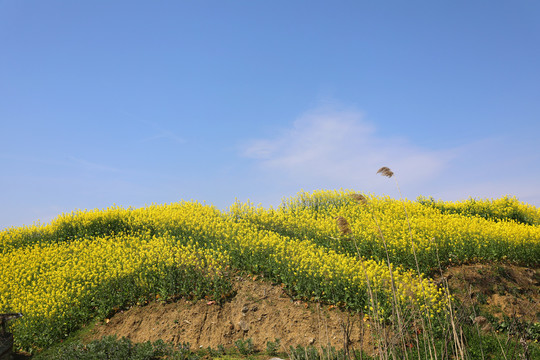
<point>88,263</point>
<point>504,209</point>
<point>309,269</point>
<point>434,234</point>
<point>62,285</point>
<point>46,280</point>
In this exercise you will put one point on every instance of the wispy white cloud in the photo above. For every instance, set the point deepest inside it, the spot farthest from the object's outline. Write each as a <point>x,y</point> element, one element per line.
<point>329,148</point>
<point>341,147</point>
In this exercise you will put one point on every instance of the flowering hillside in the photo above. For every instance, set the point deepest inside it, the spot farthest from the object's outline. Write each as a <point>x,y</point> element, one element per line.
<point>356,251</point>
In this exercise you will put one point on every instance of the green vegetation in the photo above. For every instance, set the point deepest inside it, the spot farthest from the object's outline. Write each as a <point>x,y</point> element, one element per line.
<point>368,254</point>
<point>504,209</point>
<point>110,347</point>
<point>119,349</point>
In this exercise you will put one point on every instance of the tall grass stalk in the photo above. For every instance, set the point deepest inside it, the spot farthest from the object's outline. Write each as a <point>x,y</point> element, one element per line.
<point>396,304</point>
<point>458,341</point>
<point>384,171</point>
<point>385,339</point>
<point>476,323</point>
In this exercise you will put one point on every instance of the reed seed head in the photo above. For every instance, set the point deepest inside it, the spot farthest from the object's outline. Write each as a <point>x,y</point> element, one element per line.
<point>343,225</point>
<point>360,199</point>
<point>384,171</point>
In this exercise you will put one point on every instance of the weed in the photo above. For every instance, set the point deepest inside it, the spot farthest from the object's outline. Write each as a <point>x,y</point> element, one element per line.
<point>245,347</point>
<point>214,353</point>
<point>111,347</point>
<point>272,347</point>
<point>482,298</point>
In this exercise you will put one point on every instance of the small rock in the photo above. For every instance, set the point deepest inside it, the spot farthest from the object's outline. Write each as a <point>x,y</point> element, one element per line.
<point>243,325</point>
<point>245,309</point>
<point>311,341</point>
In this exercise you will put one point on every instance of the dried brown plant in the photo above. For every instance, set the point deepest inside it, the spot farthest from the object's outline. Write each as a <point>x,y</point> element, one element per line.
<point>384,171</point>
<point>360,199</point>
<point>343,225</point>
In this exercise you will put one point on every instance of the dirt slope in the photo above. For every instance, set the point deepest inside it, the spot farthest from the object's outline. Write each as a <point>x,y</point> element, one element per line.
<point>498,289</point>
<point>259,310</point>
<point>263,312</point>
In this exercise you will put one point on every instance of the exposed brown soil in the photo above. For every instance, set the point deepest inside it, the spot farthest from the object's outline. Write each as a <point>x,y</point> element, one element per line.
<point>259,310</point>
<point>498,289</point>
<point>263,312</point>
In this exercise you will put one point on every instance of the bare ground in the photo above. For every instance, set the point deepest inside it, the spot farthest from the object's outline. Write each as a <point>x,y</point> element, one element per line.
<point>259,310</point>
<point>498,289</point>
<point>263,312</point>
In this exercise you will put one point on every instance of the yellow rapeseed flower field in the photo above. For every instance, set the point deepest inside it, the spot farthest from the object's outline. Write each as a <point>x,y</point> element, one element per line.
<point>449,236</point>
<point>88,264</point>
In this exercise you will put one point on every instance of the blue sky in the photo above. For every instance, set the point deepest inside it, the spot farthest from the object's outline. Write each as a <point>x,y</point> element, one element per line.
<point>140,102</point>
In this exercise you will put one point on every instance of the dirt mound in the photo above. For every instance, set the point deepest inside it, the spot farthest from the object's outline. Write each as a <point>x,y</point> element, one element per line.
<point>497,289</point>
<point>259,310</point>
<point>263,312</point>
